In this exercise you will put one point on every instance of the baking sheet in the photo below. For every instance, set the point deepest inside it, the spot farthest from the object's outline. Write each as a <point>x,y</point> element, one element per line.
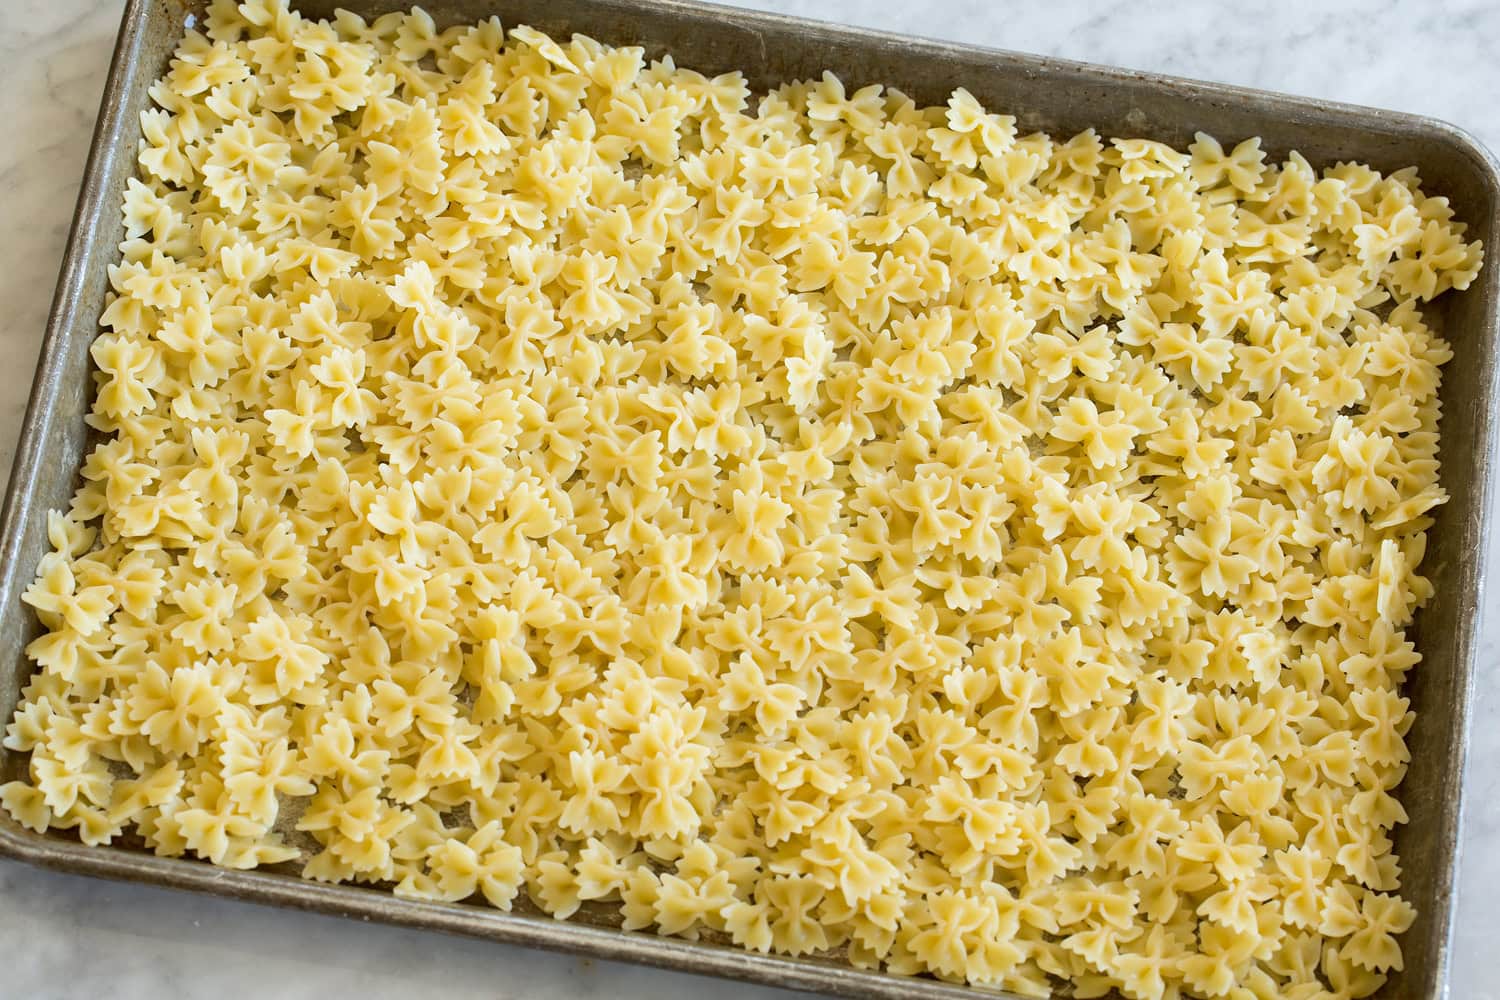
<point>1053,95</point>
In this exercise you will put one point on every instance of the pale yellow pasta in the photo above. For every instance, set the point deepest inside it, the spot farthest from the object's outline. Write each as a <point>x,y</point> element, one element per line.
<point>534,474</point>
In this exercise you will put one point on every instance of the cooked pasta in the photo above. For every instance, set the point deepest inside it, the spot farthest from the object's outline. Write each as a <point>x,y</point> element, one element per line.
<point>531,472</point>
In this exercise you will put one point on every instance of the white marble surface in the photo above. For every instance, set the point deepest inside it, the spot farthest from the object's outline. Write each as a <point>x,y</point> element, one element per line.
<point>64,936</point>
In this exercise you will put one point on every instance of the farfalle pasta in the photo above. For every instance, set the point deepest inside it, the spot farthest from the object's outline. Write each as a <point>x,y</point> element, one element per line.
<point>533,474</point>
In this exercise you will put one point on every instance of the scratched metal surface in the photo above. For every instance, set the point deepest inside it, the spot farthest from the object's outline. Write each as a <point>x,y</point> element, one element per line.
<point>1053,95</point>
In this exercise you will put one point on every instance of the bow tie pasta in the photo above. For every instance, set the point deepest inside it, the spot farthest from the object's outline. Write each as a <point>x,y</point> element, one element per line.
<point>535,474</point>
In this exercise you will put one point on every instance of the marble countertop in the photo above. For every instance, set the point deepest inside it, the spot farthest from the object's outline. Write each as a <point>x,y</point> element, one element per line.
<point>66,936</point>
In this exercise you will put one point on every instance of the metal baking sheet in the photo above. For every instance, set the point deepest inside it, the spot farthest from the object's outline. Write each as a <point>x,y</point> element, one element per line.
<point>1057,96</point>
